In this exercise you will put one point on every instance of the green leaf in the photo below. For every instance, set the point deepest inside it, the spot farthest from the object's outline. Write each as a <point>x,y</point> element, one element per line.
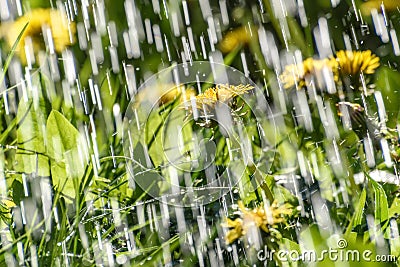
<point>62,181</point>
<point>357,217</point>
<point>62,136</point>
<point>381,203</point>
<point>31,157</point>
<point>388,83</point>
<point>11,54</point>
<point>62,147</point>
<point>153,137</point>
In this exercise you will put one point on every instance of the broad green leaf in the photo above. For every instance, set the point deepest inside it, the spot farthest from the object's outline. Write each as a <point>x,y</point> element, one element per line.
<point>61,135</point>
<point>62,181</point>
<point>388,83</point>
<point>358,214</point>
<point>381,203</point>
<point>31,156</point>
<point>62,147</point>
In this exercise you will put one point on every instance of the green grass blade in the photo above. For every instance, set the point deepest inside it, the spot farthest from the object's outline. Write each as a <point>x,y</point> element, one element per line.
<point>11,54</point>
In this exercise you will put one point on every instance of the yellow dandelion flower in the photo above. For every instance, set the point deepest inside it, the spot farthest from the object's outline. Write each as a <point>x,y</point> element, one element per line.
<point>63,35</point>
<point>235,38</point>
<point>208,97</point>
<point>62,31</point>
<point>226,92</point>
<point>295,75</point>
<point>207,101</point>
<point>389,5</point>
<point>260,217</point>
<point>8,203</point>
<point>236,229</point>
<point>356,62</point>
<point>221,92</point>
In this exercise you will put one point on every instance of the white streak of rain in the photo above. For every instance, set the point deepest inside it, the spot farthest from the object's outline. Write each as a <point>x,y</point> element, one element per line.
<point>116,212</point>
<point>347,42</point>
<point>235,255</point>
<point>322,38</point>
<point>109,254</point>
<point>47,203</point>
<point>97,47</point>
<point>4,10</point>
<point>186,12</point>
<point>84,238</point>
<point>92,94</point>
<point>112,33</point>
<point>381,110</point>
<point>386,153</point>
<point>98,97</point>
<point>244,63</point>
<point>224,12</point>
<point>69,66</point>
<point>30,57</point>
<point>302,109</point>
<point>158,38</point>
<point>114,61</point>
<point>205,9</point>
<point>269,49</point>
<point>186,49</point>
<point>302,13</point>
<point>218,70</point>
<point>20,249</point>
<point>203,47</point>
<point>380,25</point>
<point>369,151</point>
<point>34,257</point>
<point>99,17</point>
<point>92,57</point>
<point>149,32</point>
<point>332,126</point>
<point>394,232</point>
<point>175,22</point>
<point>130,78</point>
<point>156,6</point>
<point>164,2</point>
<point>167,48</point>
<point>211,30</point>
<point>395,42</point>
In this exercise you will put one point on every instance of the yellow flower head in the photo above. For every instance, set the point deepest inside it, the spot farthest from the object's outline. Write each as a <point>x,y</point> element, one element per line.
<point>62,31</point>
<point>207,101</point>
<point>388,5</point>
<point>356,62</point>
<point>261,217</point>
<point>221,92</point>
<point>295,75</point>
<point>209,97</point>
<point>235,38</point>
